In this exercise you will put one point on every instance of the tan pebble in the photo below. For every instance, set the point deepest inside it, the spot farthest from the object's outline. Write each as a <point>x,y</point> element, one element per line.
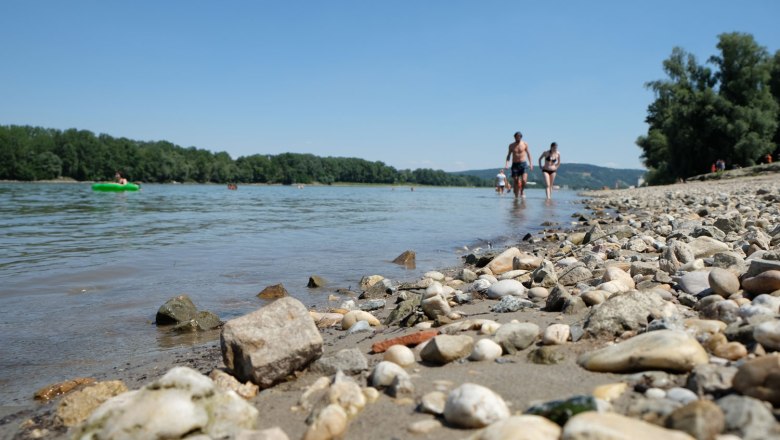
<point>424,426</point>
<point>610,391</point>
<point>330,423</point>
<point>732,351</point>
<point>404,401</point>
<point>400,354</point>
<point>371,393</point>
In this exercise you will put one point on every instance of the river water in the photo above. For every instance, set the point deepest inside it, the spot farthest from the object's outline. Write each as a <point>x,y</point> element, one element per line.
<point>83,273</point>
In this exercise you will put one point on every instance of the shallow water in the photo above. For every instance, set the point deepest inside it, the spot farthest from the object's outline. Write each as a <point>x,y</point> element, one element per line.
<point>82,273</point>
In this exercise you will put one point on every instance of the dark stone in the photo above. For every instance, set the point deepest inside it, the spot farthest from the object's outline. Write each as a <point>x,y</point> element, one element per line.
<point>560,411</point>
<point>273,292</point>
<point>546,355</point>
<point>403,312</point>
<point>176,310</point>
<point>557,299</point>
<point>316,281</point>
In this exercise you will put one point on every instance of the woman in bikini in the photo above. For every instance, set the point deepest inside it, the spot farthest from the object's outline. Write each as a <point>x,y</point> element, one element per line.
<point>552,160</point>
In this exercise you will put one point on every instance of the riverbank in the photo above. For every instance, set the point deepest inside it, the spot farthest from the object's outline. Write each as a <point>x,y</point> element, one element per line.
<point>663,259</point>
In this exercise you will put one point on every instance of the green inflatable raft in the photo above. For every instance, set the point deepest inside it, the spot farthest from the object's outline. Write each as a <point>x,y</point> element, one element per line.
<point>114,187</point>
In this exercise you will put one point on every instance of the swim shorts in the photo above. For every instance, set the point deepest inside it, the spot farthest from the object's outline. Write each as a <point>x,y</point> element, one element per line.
<point>519,168</point>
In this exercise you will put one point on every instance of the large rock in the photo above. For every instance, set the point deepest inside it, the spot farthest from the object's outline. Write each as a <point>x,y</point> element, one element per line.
<point>176,310</point>
<point>267,345</point>
<point>611,426</point>
<point>628,311</point>
<point>672,350</point>
<point>503,262</point>
<point>178,404</point>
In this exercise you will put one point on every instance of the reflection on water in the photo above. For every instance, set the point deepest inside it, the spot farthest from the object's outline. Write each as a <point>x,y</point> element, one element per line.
<point>83,273</point>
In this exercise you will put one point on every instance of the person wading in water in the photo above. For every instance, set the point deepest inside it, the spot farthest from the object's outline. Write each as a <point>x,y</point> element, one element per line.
<point>521,164</point>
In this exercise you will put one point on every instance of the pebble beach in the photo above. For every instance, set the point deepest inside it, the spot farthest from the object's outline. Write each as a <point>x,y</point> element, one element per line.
<point>652,314</point>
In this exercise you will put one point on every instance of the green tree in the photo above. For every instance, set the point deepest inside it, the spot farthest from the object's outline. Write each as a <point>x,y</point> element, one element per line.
<point>699,116</point>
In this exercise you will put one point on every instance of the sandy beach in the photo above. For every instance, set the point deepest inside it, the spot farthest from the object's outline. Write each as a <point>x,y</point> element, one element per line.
<point>563,276</point>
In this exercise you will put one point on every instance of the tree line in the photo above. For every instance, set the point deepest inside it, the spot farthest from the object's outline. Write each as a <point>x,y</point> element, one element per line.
<point>33,153</point>
<point>726,111</point>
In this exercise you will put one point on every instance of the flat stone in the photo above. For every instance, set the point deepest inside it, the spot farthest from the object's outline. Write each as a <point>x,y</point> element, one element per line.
<point>348,360</point>
<point>433,403</point>
<point>611,426</point>
<point>410,339</point>
<point>695,283</point>
<point>765,282</point>
<point>546,355</point>
<point>663,349</point>
<point>525,427</point>
<point>51,391</point>
<point>703,247</point>
<point>267,345</point>
<point>509,304</point>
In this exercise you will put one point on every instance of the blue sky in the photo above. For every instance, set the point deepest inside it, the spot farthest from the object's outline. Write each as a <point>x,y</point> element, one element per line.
<point>435,84</point>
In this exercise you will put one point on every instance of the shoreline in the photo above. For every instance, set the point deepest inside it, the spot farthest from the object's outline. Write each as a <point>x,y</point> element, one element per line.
<point>520,382</point>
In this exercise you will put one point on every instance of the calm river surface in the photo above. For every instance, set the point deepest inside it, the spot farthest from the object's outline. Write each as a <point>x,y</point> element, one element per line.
<point>83,273</point>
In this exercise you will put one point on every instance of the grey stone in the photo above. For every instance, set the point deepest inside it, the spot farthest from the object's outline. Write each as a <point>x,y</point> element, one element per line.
<point>708,231</point>
<point>203,320</point>
<point>267,345</point>
<point>374,304</point>
<point>621,312</point>
<point>695,283</point>
<point>715,380</point>
<point>510,304</point>
<point>348,360</point>
<point>749,418</point>
<point>378,290</point>
<point>643,268</point>
<point>516,336</point>
<point>557,299</point>
<point>732,223</point>
<point>545,275</point>
<point>574,274</point>
<point>505,288</point>
<point>675,255</point>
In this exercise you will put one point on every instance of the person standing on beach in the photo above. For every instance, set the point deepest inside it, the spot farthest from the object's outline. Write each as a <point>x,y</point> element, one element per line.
<point>500,182</point>
<point>552,160</point>
<point>521,163</point>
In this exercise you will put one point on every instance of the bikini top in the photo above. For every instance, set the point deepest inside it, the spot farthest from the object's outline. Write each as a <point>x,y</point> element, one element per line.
<point>548,158</point>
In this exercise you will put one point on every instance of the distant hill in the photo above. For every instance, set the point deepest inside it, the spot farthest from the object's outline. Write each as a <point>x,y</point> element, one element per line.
<point>574,176</point>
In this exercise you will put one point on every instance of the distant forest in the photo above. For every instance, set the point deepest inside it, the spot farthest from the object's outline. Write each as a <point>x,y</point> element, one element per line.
<point>576,176</point>
<point>34,153</point>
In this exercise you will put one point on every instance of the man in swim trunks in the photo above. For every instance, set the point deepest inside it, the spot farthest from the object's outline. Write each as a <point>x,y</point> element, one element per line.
<point>500,182</point>
<point>552,160</point>
<point>521,163</point>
